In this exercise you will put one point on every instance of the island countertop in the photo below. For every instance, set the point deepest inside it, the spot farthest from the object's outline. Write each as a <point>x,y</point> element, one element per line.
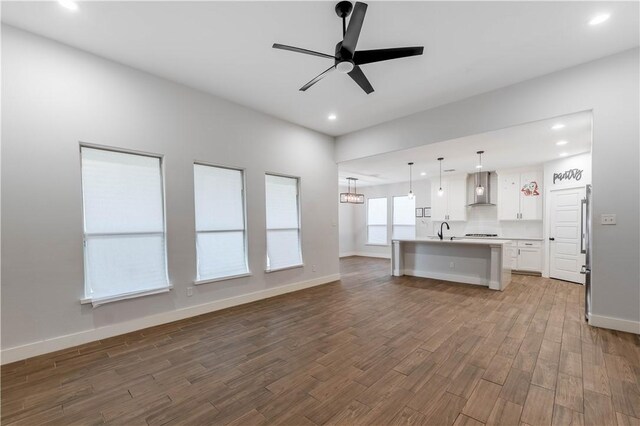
<point>479,241</point>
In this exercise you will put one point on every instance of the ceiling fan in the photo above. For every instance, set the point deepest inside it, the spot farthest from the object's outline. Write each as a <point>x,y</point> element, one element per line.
<point>347,59</point>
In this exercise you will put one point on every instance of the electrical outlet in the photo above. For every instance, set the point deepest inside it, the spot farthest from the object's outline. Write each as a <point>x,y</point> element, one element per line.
<point>608,219</point>
<point>189,291</point>
<point>452,265</point>
<point>313,268</point>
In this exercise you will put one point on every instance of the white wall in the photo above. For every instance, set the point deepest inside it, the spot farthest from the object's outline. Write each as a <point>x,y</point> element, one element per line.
<point>582,162</point>
<point>609,87</point>
<point>55,96</point>
<point>346,222</point>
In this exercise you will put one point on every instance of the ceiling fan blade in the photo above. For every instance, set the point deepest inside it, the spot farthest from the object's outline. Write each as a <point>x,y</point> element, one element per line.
<point>300,50</point>
<point>358,76</point>
<point>355,26</point>
<point>317,79</point>
<point>368,56</point>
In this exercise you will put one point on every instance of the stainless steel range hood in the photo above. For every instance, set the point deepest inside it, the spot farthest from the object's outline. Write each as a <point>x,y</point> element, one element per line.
<point>475,200</point>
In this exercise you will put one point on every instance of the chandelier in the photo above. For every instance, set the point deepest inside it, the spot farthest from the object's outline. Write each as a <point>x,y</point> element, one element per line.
<point>351,197</point>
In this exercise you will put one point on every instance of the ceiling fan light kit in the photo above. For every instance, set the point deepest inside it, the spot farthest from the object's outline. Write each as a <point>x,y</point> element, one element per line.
<point>347,59</point>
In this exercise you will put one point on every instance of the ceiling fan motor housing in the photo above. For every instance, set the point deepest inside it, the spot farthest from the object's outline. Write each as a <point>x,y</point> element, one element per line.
<point>343,9</point>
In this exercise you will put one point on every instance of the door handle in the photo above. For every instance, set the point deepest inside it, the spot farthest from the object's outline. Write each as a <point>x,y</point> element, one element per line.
<point>551,239</point>
<point>584,270</point>
<point>583,205</point>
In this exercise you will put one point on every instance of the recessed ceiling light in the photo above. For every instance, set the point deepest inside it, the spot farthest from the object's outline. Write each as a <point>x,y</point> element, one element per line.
<point>479,166</point>
<point>562,142</point>
<point>564,154</point>
<point>68,4</point>
<point>557,126</point>
<point>423,173</point>
<point>599,19</point>
<point>332,117</point>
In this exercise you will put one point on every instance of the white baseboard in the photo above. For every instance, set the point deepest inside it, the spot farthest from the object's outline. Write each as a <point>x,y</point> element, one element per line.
<point>348,253</point>
<point>63,342</point>
<point>366,254</point>
<point>448,277</point>
<point>615,323</point>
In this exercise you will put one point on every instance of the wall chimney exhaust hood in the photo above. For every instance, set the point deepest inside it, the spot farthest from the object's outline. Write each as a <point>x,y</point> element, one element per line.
<point>475,179</point>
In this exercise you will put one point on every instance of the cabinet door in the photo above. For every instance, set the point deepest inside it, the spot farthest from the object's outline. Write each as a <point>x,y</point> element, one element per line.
<point>531,196</point>
<point>508,196</point>
<point>513,256</point>
<point>530,259</point>
<point>438,203</point>
<point>457,198</point>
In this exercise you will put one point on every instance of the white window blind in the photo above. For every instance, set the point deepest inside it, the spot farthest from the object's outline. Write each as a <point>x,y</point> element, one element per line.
<point>220,222</point>
<point>283,222</point>
<point>124,237</point>
<point>377,221</point>
<point>404,217</point>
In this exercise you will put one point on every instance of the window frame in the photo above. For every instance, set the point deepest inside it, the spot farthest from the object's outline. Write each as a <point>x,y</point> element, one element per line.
<point>299,229</point>
<point>242,171</point>
<point>393,209</point>
<point>386,213</point>
<point>87,299</point>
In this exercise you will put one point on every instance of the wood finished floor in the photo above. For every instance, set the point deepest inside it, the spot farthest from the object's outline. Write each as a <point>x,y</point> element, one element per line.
<point>370,349</point>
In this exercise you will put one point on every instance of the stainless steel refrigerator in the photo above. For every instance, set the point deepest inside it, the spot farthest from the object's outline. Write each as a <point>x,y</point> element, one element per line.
<point>587,250</point>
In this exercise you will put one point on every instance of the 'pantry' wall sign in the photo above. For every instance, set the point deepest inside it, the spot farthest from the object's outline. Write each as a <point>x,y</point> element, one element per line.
<point>568,175</point>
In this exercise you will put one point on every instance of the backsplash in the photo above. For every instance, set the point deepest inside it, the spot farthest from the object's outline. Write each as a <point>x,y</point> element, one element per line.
<point>483,220</point>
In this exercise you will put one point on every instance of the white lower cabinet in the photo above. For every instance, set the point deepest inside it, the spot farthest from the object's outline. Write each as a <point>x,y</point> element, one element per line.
<point>526,255</point>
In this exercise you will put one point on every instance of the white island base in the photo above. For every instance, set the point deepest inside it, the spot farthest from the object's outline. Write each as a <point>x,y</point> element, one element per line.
<point>466,260</point>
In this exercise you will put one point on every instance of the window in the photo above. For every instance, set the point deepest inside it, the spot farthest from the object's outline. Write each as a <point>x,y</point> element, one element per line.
<point>283,223</point>
<point>221,242</point>
<point>124,236</point>
<point>404,221</point>
<point>377,221</point>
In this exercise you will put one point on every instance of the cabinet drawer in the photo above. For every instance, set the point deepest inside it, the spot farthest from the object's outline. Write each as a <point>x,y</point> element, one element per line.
<point>525,243</point>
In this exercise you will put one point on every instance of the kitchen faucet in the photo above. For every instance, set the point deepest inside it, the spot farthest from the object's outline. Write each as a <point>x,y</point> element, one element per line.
<point>440,233</point>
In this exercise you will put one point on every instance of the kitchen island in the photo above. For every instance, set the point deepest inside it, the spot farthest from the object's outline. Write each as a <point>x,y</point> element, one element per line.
<point>464,260</point>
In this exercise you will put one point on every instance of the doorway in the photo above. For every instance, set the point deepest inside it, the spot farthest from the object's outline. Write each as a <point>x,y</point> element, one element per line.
<point>566,234</point>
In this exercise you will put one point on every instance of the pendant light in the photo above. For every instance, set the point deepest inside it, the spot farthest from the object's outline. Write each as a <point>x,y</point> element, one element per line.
<point>410,194</point>
<point>479,187</point>
<point>352,197</point>
<point>440,191</point>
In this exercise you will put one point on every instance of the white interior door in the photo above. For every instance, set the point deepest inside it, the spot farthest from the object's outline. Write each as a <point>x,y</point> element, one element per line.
<point>565,256</point>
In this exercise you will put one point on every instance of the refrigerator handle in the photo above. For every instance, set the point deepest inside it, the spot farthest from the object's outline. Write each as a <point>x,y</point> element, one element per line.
<point>583,213</point>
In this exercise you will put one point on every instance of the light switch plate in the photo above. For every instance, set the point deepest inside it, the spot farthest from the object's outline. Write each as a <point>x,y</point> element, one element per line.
<point>608,219</point>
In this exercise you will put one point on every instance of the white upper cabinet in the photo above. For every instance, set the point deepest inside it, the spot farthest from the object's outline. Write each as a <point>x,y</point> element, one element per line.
<point>452,204</point>
<point>520,195</point>
<point>531,196</point>
<point>438,203</point>
<point>509,196</point>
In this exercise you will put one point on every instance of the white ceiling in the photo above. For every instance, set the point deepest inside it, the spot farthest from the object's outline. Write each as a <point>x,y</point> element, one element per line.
<point>224,48</point>
<point>518,146</point>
